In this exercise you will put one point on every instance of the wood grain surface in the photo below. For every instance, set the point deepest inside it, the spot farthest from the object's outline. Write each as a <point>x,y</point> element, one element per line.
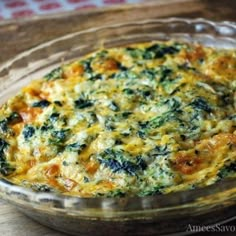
<point>17,36</point>
<point>14,223</point>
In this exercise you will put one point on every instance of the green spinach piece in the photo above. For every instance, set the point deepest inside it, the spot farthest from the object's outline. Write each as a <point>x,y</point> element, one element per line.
<point>109,124</point>
<point>87,65</point>
<point>135,52</point>
<point>4,126</point>
<point>227,170</point>
<point>150,74</point>
<point>151,191</point>
<point>14,118</point>
<point>54,117</point>
<point>59,136</point>
<point>58,103</point>
<point>28,132</point>
<point>164,73</point>
<point>126,75</point>
<point>83,102</point>
<point>117,161</point>
<point>128,91</point>
<point>160,151</point>
<point>41,104</point>
<point>76,147</point>
<point>201,104</point>
<point>159,51</point>
<point>54,74</point>
<point>5,167</point>
<point>158,121</point>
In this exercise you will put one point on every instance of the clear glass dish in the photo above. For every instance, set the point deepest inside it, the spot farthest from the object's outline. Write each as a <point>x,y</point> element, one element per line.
<point>154,215</point>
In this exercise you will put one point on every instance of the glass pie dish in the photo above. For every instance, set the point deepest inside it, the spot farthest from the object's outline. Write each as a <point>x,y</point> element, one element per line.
<point>163,214</point>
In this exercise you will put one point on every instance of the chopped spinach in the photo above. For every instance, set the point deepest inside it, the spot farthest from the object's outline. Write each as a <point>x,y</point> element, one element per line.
<point>28,132</point>
<point>117,166</point>
<point>87,65</point>
<point>126,114</point>
<point>172,86</point>
<point>164,73</point>
<point>54,117</point>
<point>127,132</point>
<point>41,104</point>
<point>109,124</point>
<point>102,53</point>
<point>226,99</point>
<point>65,163</point>
<point>58,103</point>
<point>4,126</point>
<point>141,163</point>
<point>167,79</point>
<point>159,51</point>
<point>226,170</point>
<point>117,161</point>
<point>172,114</point>
<point>5,167</point>
<point>76,147</point>
<point>135,52</point>
<point>117,193</point>
<point>121,67</point>
<point>54,74</point>
<point>141,134</point>
<point>151,191</point>
<point>92,118</point>
<point>94,77</point>
<point>45,127</point>
<point>126,75</point>
<point>201,104</point>
<point>160,151</point>
<point>154,51</point>
<point>14,118</point>
<point>83,102</point>
<point>143,125</point>
<point>145,93</point>
<point>3,146</point>
<point>186,66</point>
<point>231,117</point>
<point>172,103</point>
<point>232,167</point>
<point>128,91</point>
<point>89,73</point>
<point>86,179</point>
<point>142,131</point>
<point>173,109</point>
<point>118,142</point>
<point>149,73</point>
<point>158,121</point>
<point>59,136</point>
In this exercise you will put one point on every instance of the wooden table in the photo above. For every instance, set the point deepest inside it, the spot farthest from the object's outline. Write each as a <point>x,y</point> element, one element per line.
<point>17,36</point>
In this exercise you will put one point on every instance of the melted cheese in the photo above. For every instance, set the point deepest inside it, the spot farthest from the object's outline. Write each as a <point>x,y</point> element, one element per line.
<point>144,119</point>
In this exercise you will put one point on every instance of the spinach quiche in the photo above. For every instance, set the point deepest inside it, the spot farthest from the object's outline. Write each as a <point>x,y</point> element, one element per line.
<point>141,119</point>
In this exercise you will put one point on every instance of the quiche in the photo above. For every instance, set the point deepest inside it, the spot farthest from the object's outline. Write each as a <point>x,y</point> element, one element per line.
<point>136,120</point>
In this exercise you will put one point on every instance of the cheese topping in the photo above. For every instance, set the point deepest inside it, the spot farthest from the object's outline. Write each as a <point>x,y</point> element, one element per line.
<point>143,119</point>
